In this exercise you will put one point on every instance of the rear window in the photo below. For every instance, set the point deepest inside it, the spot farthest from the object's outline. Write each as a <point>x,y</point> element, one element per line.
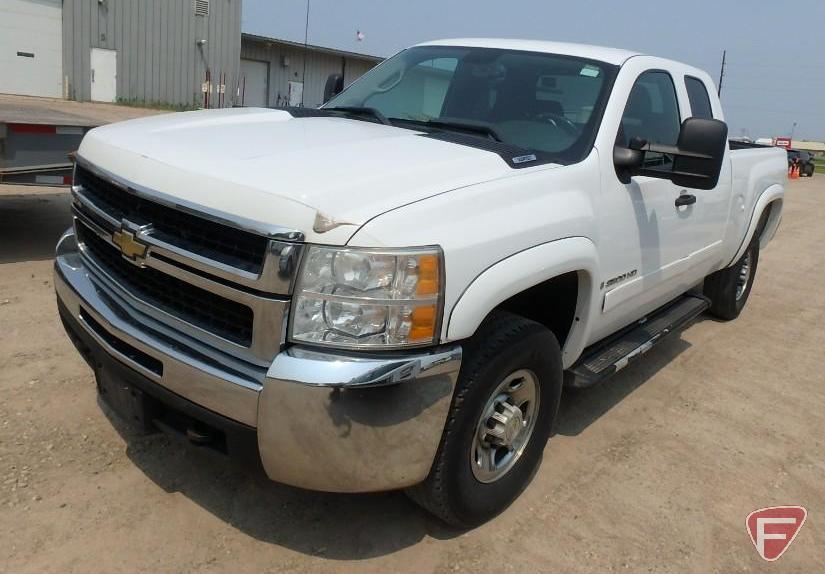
<point>699,99</point>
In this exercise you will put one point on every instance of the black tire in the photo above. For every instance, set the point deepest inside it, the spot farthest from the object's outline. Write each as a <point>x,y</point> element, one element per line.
<point>722,287</point>
<point>504,344</point>
<point>810,171</point>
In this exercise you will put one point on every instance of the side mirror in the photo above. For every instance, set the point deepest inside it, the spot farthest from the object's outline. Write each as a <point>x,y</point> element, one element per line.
<point>697,155</point>
<point>628,162</point>
<point>333,87</point>
<point>702,145</point>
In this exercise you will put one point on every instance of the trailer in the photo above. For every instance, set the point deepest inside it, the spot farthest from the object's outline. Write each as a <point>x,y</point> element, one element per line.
<point>39,153</point>
<point>37,135</point>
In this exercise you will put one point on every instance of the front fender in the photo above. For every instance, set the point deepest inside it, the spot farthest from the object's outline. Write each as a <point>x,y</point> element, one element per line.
<point>521,271</point>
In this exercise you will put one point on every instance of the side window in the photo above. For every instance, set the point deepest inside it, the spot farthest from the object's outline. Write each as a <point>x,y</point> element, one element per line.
<point>699,99</point>
<point>651,113</point>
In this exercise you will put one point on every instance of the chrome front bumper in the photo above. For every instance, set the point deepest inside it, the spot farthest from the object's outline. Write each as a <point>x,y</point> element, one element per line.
<point>325,421</point>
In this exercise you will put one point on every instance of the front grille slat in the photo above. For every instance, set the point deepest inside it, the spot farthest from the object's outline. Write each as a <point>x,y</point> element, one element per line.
<point>225,318</point>
<point>222,243</point>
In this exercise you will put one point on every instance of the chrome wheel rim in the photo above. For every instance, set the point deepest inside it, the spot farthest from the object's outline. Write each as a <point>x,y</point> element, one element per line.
<point>744,276</point>
<point>505,426</point>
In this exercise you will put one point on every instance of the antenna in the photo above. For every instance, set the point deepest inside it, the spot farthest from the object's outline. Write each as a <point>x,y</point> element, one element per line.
<point>721,72</point>
<point>306,50</point>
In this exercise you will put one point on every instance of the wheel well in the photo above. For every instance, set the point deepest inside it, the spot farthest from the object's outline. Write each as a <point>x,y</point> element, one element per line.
<point>766,226</point>
<point>551,303</point>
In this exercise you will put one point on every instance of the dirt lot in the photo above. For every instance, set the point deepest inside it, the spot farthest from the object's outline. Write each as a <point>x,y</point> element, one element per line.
<point>24,109</point>
<point>653,471</point>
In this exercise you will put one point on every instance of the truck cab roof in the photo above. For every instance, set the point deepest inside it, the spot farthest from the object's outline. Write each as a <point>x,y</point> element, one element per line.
<point>614,56</point>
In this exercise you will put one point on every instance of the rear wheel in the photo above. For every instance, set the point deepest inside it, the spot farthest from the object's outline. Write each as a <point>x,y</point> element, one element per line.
<point>503,409</point>
<point>728,289</point>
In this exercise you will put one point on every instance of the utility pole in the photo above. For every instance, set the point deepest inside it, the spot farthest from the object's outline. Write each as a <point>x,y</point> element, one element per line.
<point>306,50</point>
<point>722,71</point>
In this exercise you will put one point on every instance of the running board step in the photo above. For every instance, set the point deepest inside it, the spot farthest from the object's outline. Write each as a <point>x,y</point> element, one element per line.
<point>606,358</point>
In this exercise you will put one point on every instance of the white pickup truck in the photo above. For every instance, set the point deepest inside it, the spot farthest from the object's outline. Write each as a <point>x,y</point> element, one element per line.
<point>391,291</point>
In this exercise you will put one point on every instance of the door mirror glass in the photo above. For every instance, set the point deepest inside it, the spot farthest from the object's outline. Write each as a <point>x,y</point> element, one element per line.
<point>701,150</point>
<point>696,158</point>
<point>333,87</point>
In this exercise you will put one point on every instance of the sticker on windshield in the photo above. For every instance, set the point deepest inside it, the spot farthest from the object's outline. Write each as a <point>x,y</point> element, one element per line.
<point>590,71</point>
<point>524,158</point>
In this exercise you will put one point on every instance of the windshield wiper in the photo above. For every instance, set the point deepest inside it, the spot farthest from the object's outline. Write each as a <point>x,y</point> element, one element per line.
<point>361,111</point>
<point>475,127</point>
<point>467,126</point>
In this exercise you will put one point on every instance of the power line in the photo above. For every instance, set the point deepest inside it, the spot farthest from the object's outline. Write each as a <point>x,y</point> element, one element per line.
<point>774,66</point>
<point>773,110</point>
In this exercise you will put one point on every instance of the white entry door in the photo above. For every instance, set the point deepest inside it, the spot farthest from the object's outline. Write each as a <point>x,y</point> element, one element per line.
<point>104,75</point>
<point>296,93</point>
<point>255,79</point>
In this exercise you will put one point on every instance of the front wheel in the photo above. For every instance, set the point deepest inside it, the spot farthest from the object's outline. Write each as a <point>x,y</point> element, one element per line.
<point>728,289</point>
<point>503,409</point>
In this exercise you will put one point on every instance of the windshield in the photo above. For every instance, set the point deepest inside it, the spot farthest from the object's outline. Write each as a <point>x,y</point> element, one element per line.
<point>540,102</point>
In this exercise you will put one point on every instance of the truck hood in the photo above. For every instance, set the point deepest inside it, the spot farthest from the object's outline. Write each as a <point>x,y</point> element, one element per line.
<point>322,176</point>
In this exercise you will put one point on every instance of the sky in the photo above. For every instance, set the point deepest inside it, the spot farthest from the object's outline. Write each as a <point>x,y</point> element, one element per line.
<point>774,77</point>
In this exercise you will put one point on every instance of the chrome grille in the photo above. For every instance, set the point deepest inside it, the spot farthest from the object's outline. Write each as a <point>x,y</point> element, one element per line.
<point>233,247</point>
<point>223,317</point>
<point>186,266</point>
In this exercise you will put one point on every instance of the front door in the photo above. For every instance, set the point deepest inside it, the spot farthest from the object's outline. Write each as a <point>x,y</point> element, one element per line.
<point>701,240</point>
<point>642,256</point>
<point>104,75</point>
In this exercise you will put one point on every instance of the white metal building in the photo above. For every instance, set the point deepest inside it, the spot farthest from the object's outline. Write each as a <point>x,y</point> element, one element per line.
<point>272,71</point>
<point>143,51</point>
<point>159,52</point>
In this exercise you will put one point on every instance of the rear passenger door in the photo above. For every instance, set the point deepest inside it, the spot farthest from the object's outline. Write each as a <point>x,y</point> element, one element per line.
<point>702,239</point>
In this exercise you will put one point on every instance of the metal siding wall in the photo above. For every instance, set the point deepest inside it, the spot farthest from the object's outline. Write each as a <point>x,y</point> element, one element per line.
<point>319,66</point>
<point>68,48</point>
<point>157,59</point>
<point>356,68</point>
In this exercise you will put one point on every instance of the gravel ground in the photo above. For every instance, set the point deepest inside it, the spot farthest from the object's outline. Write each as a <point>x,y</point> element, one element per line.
<point>653,471</point>
<point>23,109</point>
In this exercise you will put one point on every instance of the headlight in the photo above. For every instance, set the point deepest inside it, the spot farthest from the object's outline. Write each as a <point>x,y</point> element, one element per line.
<point>368,298</point>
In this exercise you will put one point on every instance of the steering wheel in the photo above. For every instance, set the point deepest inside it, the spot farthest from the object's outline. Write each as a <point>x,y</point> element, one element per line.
<point>560,122</point>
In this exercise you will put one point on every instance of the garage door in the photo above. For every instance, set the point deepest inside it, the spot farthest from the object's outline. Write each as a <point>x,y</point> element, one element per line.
<point>255,79</point>
<point>31,60</point>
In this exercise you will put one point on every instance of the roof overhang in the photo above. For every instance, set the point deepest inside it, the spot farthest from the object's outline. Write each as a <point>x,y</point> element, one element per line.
<point>299,45</point>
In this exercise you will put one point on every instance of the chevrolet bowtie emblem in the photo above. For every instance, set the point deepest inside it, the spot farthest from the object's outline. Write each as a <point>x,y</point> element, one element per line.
<point>130,247</point>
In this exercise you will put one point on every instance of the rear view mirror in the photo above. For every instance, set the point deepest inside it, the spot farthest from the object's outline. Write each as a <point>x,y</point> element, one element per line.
<point>333,87</point>
<point>697,155</point>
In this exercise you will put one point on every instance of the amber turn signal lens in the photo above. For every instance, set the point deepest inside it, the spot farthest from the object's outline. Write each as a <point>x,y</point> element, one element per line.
<point>423,323</point>
<point>427,276</point>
